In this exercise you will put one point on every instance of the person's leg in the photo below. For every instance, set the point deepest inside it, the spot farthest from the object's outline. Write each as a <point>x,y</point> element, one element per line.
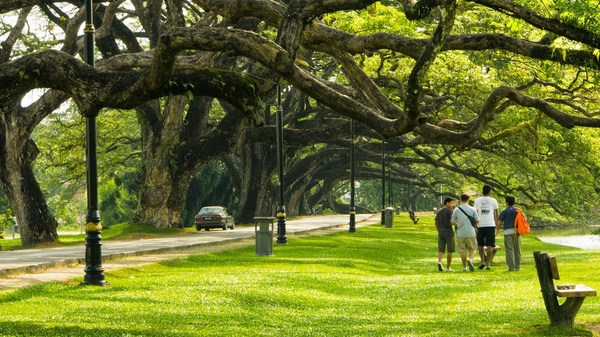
<point>494,251</point>
<point>490,243</point>
<point>441,251</point>
<point>480,244</point>
<point>472,247</point>
<point>510,255</point>
<point>489,255</point>
<point>462,250</point>
<point>517,249</point>
<point>451,245</point>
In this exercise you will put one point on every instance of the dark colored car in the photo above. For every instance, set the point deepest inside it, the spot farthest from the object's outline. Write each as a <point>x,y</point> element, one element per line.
<point>213,217</point>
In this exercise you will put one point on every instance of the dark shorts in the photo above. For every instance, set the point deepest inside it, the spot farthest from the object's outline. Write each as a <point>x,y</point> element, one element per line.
<point>446,241</point>
<point>486,236</point>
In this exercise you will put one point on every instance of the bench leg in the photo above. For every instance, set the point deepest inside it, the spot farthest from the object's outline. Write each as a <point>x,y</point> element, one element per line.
<point>568,311</point>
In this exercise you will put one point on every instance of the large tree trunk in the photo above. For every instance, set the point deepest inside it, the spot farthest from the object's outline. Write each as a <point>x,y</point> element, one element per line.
<point>177,143</point>
<point>162,199</point>
<point>36,222</point>
<point>298,187</point>
<point>256,198</point>
<point>162,191</point>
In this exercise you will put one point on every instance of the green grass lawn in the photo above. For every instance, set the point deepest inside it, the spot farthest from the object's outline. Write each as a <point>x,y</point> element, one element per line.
<point>375,282</point>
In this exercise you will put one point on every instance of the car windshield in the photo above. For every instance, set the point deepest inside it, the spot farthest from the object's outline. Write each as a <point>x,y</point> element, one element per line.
<point>211,210</point>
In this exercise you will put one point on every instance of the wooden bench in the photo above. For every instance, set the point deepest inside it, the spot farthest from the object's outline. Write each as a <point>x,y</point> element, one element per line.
<point>412,216</point>
<point>560,314</point>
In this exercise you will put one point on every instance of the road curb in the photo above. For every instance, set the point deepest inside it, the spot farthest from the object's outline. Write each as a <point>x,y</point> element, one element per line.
<point>42,267</point>
<point>74,262</point>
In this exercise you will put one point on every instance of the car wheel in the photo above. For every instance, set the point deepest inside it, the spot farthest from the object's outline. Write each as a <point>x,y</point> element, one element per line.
<point>224,226</point>
<point>198,228</point>
<point>207,228</point>
<point>232,225</point>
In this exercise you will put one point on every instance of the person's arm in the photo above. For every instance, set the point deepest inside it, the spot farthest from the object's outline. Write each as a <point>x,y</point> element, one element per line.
<point>449,219</point>
<point>500,221</point>
<point>477,217</point>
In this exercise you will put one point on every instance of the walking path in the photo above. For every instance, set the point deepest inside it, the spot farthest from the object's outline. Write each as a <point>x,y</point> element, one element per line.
<point>29,266</point>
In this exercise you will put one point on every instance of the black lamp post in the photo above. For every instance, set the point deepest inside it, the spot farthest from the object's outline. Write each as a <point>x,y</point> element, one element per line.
<point>281,238</point>
<point>352,208</point>
<point>390,184</point>
<point>94,273</point>
<point>383,182</point>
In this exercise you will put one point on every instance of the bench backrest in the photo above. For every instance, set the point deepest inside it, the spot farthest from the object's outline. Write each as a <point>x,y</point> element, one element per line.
<point>553,267</point>
<point>547,271</point>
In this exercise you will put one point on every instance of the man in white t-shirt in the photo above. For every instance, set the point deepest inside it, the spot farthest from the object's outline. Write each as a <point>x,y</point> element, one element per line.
<point>487,209</point>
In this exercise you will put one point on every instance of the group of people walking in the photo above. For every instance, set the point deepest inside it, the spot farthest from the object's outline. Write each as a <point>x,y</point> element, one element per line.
<point>476,229</point>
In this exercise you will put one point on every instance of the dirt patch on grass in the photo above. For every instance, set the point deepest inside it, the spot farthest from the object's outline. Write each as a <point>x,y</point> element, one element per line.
<point>594,328</point>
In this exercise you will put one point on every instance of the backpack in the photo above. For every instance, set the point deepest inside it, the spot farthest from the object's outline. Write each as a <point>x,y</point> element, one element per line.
<point>521,224</point>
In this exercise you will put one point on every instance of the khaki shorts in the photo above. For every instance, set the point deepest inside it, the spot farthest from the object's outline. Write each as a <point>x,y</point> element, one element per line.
<point>466,243</point>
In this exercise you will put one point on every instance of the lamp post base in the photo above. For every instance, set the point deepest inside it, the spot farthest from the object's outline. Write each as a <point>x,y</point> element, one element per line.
<point>281,238</point>
<point>352,221</point>
<point>94,273</point>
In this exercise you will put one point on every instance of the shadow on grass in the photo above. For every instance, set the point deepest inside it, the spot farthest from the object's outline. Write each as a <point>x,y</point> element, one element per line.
<point>29,329</point>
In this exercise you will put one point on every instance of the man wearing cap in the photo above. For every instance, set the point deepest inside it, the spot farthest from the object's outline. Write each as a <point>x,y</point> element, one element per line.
<point>443,224</point>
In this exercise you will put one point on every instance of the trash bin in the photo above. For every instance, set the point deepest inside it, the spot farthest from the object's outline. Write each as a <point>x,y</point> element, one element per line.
<point>263,229</point>
<point>389,217</point>
<point>15,230</point>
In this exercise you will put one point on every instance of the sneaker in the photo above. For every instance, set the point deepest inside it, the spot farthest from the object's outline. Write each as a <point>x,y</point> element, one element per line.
<point>488,268</point>
<point>450,270</point>
<point>481,266</point>
<point>440,268</point>
<point>465,270</point>
<point>471,267</point>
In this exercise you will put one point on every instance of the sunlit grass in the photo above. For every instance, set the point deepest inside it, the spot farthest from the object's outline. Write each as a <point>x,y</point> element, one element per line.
<point>376,282</point>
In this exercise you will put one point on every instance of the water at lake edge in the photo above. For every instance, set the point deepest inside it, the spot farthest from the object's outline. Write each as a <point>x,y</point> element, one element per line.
<point>579,241</point>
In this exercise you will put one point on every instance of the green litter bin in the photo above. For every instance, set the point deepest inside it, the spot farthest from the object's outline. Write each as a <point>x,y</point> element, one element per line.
<point>263,229</point>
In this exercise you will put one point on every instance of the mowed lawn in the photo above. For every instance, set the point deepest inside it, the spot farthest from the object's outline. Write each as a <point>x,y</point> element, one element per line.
<point>375,282</point>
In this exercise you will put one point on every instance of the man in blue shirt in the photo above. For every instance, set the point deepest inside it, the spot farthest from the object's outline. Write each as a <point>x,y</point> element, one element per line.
<point>512,239</point>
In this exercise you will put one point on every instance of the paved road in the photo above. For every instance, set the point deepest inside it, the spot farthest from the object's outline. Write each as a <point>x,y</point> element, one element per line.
<point>28,266</point>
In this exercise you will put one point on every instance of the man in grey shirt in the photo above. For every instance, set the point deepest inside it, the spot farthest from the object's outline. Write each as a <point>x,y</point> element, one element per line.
<point>465,231</point>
